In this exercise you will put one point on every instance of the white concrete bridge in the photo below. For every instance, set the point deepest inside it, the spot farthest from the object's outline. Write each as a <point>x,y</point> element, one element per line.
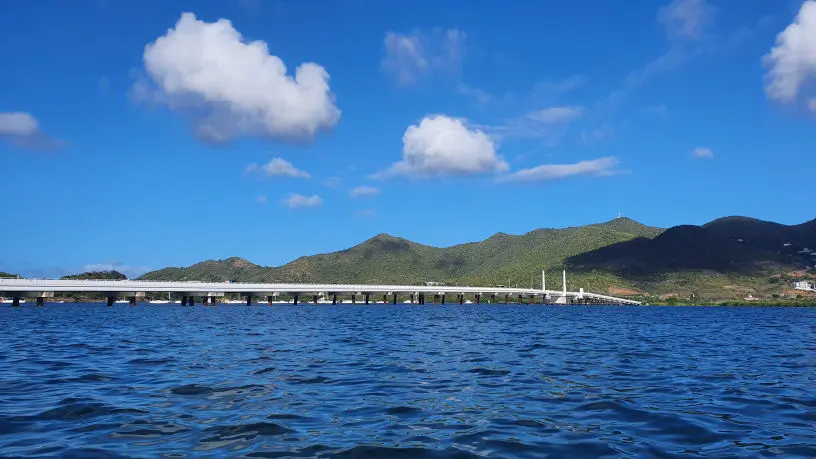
<point>207,292</point>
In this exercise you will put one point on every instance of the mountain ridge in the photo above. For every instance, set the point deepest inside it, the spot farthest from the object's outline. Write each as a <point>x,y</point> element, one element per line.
<point>617,255</point>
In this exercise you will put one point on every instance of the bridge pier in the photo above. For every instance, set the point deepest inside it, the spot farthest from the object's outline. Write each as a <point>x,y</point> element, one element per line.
<point>334,299</point>
<point>421,298</point>
<point>460,298</point>
<point>353,299</point>
<point>493,299</point>
<point>507,299</point>
<point>111,299</point>
<point>183,300</point>
<point>15,302</point>
<point>295,300</point>
<point>132,301</point>
<point>395,299</point>
<point>478,298</point>
<point>442,298</point>
<point>366,298</point>
<point>412,298</point>
<point>40,301</point>
<point>385,298</point>
<point>314,299</point>
<point>269,301</point>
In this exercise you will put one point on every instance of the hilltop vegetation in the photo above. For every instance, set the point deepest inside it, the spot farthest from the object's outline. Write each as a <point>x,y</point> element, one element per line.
<point>728,258</point>
<point>98,275</point>
<point>5,274</point>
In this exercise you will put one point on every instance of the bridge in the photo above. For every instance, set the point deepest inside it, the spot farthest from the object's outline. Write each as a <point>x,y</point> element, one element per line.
<point>208,292</point>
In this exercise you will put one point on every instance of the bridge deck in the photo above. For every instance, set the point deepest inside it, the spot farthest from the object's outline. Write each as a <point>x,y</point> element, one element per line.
<point>10,286</point>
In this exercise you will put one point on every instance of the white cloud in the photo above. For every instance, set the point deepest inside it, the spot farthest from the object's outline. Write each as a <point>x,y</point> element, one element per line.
<point>702,152</point>
<point>129,271</point>
<point>597,167</point>
<point>685,18</point>
<point>296,201</point>
<point>230,87</point>
<point>550,124</point>
<point>792,62</point>
<point>364,191</point>
<point>410,56</point>
<point>278,167</point>
<point>261,199</point>
<point>23,130</point>
<point>440,145</point>
<point>555,115</point>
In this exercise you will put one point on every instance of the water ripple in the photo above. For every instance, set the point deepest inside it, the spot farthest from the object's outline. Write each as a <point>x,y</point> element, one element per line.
<point>406,381</point>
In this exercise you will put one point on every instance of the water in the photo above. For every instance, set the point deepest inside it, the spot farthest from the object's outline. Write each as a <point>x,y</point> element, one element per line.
<point>406,381</point>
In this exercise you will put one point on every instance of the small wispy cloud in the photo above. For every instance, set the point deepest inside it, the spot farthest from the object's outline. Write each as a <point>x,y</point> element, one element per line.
<point>413,55</point>
<point>298,201</point>
<point>261,199</point>
<point>23,130</point>
<point>365,213</point>
<point>598,167</point>
<point>364,191</point>
<point>601,133</point>
<point>479,95</point>
<point>686,18</point>
<point>278,167</point>
<point>332,182</point>
<point>702,152</point>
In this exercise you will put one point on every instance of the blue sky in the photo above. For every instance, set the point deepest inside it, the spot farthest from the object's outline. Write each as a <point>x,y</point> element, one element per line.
<point>152,134</point>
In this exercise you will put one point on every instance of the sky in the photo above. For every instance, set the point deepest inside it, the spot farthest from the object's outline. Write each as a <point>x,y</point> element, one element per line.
<point>139,135</point>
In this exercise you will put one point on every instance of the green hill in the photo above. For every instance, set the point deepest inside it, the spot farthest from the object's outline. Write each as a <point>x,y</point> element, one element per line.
<point>727,258</point>
<point>389,259</point>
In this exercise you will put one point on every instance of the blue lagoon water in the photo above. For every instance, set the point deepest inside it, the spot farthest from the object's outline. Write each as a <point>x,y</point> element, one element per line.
<point>406,381</point>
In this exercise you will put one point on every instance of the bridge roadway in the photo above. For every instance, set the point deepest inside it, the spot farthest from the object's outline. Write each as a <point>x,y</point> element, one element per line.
<point>208,291</point>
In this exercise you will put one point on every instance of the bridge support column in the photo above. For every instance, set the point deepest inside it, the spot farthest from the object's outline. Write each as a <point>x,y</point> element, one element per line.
<point>212,301</point>
<point>249,300</point>
<point>412,298</point>
<point>395,299</point>
<point>443,298</point>
<point>183,300</point>
<point>385,298</point>
<point>478,299</point>
<point>492,299</point>
<point>15,302</point>
<point>421,298</point>
<point>132,301</point>
<point>366,298</point>
<point>436,299</point>
<point>40,301</point>
<point>520,302</point>
<point>353,299</point>
<point>314,299</point>
<point>460,298</point>
<point>192,300</point>
<point>506,299</point>
<point>295,300</point>
<point>334,299</point>
<point>112,299</point>
<point>269,300</point>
